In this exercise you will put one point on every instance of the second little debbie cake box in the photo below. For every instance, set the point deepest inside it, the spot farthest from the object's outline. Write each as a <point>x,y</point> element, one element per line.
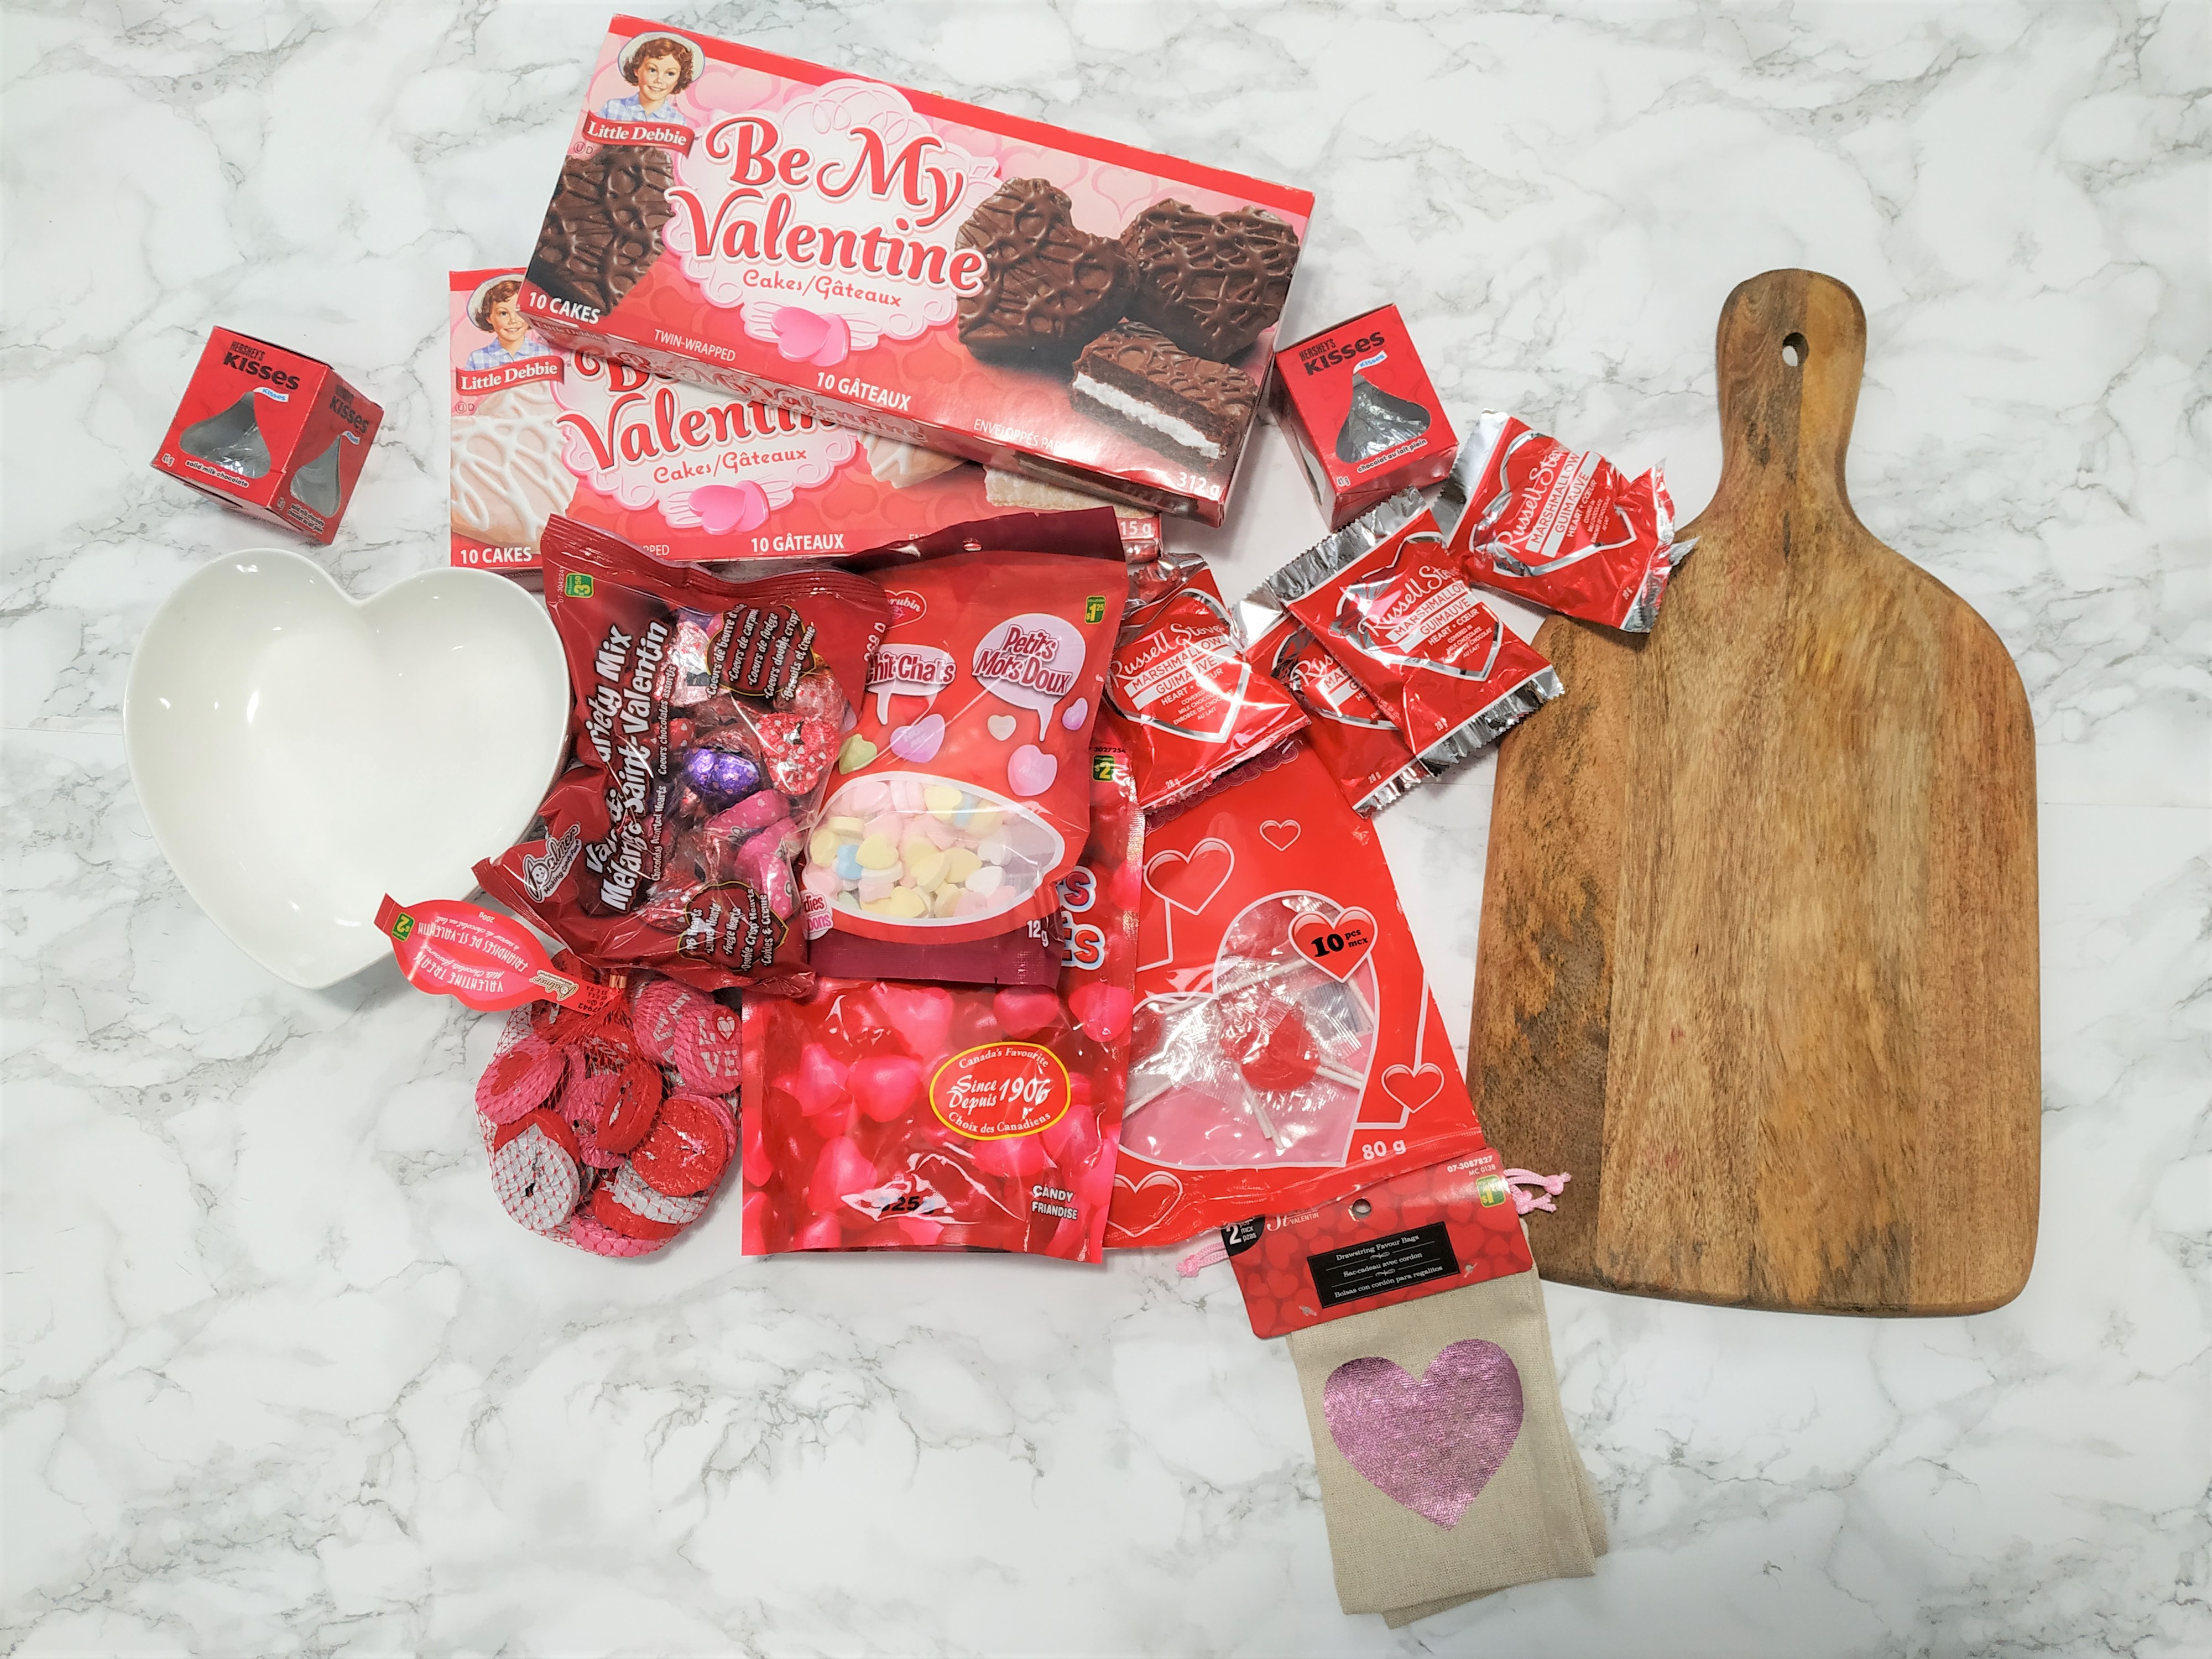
<point>1077,310</point>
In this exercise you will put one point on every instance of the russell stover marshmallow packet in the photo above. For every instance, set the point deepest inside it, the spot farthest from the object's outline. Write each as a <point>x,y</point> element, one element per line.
<point>1385,598</point>
<point>1071,308</point>
<point>1572,533</point>
<point>1286,1049</point>
<point>691,474</point>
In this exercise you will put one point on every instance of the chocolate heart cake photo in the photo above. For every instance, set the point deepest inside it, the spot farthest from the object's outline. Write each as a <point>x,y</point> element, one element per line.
<point>1049,289</point>
<point>602,230</point>
<point>1210,282</point>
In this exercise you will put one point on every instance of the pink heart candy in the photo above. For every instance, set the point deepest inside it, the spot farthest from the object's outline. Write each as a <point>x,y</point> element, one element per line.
<point>1022,1012</point>
<point>1102,1010</point>
<point>836,343</point>
<point>822,1233</point>
<point>921,1015</point>
<point>886,1086</point>
<point>818,1081</point>
<point>799,333</point>
<point>1030,770</point>
<point>1432,1445</point>
<point>724,508</point>
<point>921,741</point>
<point>1015,1158</point>
<point>840,1168</point>
<point>1072,716</point>
<point>1072,1142</point>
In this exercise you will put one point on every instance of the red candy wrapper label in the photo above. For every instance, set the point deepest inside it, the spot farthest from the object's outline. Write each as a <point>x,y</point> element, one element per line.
<point>1529,517</point>
<point>1189,707</point>
<point>880,1116</point>
<point>1395,609</point>
<point>705,720</point>
<point>1429,1229</point>
<point>1360,743</point>
<point>961,793</point>
<point>486,961</point>
<point>1286,1048</point>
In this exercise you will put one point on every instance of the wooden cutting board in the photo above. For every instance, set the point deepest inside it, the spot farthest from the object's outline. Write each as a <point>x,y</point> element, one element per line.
<point>1758,962</point>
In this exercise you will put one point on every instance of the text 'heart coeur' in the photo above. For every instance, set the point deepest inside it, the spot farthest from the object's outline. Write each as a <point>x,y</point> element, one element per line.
<point>1432,1445</point>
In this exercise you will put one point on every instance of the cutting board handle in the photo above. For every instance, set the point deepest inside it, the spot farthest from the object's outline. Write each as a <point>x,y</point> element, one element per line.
<point>1791,350</point>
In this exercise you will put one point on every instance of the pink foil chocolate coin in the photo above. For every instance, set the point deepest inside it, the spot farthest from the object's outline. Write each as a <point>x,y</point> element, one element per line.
<point>520,1080</point>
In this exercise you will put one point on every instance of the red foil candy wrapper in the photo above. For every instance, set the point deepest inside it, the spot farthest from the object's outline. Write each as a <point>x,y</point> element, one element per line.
<point>705,721</point>
<point>1391,605</point>
<point>1360,743</point>
<point>1188,704</point>
<point>1530,516</point>
<point>881,1115</point>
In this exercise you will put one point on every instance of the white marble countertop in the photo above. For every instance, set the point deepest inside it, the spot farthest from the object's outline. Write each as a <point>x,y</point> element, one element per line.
<point>280,1377</point>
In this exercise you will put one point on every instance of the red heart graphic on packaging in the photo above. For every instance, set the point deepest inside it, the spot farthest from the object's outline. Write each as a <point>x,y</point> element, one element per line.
<point>1413,1086</point>
<point>1337,947</point>
<point>1148,1202</point>
<point>1191,881</point>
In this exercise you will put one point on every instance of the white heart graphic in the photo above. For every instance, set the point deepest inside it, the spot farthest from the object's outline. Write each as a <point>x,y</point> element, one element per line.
<point>1137,1189</point>
<point>1279,833</point>
<point>300,755</point>
<point>1002,726</point>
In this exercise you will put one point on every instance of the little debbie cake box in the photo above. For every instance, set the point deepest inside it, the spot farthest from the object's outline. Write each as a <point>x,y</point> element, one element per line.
<point>1079,311</point>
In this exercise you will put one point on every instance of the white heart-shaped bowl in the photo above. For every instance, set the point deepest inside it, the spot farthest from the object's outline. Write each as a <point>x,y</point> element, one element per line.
<point>300,755</point>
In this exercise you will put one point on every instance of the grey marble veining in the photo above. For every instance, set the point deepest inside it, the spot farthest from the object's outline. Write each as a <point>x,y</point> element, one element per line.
<point>279,1377</point>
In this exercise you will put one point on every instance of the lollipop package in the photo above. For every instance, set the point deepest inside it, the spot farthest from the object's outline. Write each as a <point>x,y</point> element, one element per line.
<point>1572,533</point>
<point>1389,603</point>
<point>1189,705</point>
<point>962,792</point>
<point>1286,1049</point>
<point>881,1115</point>
<point>705,718</point>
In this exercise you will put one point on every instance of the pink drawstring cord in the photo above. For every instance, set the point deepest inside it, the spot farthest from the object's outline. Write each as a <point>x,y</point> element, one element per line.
<point>1203,1258</point>
<point>1552,1186</point>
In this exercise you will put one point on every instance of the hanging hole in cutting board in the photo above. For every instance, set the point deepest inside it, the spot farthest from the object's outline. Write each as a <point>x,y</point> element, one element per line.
<point>1792,351</point>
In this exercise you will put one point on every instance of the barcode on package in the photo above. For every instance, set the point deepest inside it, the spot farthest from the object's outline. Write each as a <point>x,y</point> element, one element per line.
<point>1376,1265</point>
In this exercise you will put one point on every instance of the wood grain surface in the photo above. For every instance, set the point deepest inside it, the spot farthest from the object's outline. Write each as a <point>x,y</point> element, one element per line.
<point>1758,960</point>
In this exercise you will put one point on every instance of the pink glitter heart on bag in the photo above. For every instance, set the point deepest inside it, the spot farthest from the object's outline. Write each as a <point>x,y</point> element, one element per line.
<point>1431,1445</point>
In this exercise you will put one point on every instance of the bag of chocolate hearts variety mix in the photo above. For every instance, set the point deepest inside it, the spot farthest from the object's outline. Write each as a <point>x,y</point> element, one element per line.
<point>1389,602</point>
<point>888,1115</point>
<point>1186,703</point>
<point>962,792</point>
<point>1286,1049</point>
<point>704,722</point>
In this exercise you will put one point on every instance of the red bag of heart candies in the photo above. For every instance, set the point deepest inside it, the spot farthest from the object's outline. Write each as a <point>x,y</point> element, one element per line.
<point>1354,738</point>
<point>1387,601</point>
<point>888,1115</point>
<point>962,792</point>
<point>1188,706</point>
<point>1286,1049</point>
<point>1529,517</point>
<point>705,718</point>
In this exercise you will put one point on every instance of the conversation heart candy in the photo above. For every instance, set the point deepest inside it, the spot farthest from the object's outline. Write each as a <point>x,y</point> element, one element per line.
<point>919,741</point>
<point>1031,771</point>
<point>856,753</point>
<point>1075,714</point>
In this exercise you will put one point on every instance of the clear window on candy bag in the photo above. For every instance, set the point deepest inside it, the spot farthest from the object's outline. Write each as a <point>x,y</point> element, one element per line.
<point>911,847</point>
<point>1267,1066</point>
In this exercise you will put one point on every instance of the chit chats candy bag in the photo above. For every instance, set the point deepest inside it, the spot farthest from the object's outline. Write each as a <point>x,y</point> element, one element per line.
<point>1188,705</point>
<point>1387,602</point>
<point>962,792</point>
<point>704,720</point>
<point>888,1116</point>
<point>1286,1049</point>
<point>1529,517</point>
